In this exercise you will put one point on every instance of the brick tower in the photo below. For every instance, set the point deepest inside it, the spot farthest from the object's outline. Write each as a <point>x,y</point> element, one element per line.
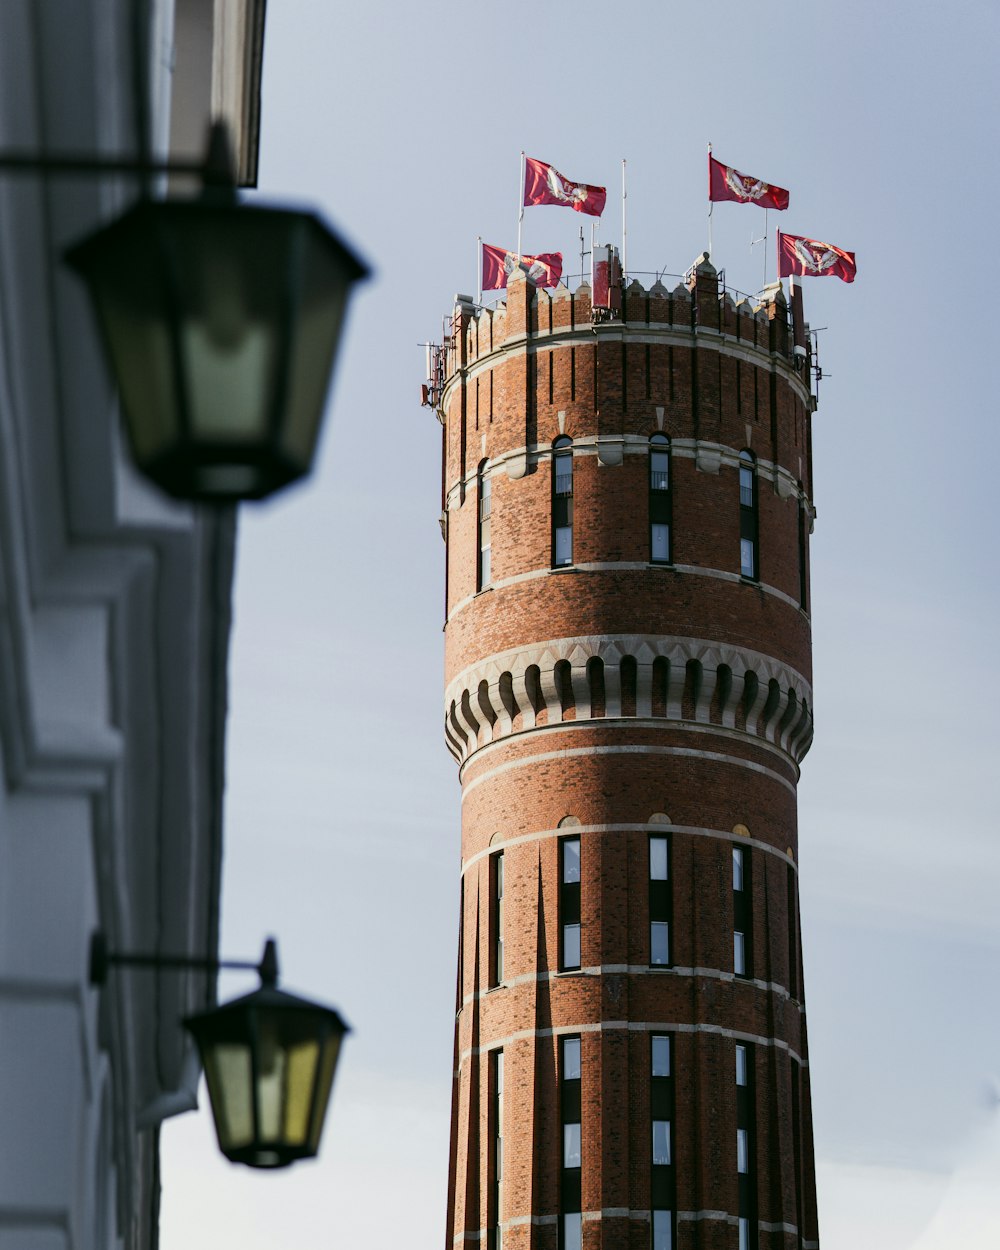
<point>627,503</point>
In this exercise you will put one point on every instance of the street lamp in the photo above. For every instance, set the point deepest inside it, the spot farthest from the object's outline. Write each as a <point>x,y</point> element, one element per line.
<point>221,322</point>
<point>269,1059</point>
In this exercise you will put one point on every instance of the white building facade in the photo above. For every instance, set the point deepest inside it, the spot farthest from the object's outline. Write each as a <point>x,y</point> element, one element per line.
<point>114,624</point>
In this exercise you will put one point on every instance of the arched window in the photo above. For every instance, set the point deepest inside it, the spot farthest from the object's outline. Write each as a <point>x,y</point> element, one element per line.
<point>562,501</point>
<point>749,558</point>
<point>485,494</point>
<point>659,499</point>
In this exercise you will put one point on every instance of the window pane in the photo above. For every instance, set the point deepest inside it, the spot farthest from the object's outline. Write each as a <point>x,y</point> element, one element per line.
<point>571,1145</point>
<point>484,567</point>
<point>742,1151</point>
<point>662,1230</point>
<point>737,868</point>
<point>661,1055</point>
<point>564,545</point>
<point>658,865</point>
<point>739,954</point>
<point>571,1059</point>
<point>571,1231</point>
<point>659,469</point>
<point>661,1142</point>
<point>660,542</point>
<point>659,942</point>
<point>571,859</point>
<point>746,557</point>
<point>744,1233</point>
<point>571,946</point>
<point>746,488</point>
<point>741,1065</point>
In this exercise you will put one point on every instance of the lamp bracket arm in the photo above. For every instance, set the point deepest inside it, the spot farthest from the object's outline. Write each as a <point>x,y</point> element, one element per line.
<point>101,959</point>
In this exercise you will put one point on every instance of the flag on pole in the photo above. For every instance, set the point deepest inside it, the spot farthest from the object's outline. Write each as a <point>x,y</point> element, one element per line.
<point>808,258</point>
<point>498,264</point>
<point>726,183</point>
<point>545,185</point>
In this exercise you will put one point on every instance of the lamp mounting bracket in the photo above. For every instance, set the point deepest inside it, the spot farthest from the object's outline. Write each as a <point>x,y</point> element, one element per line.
<point>101,959</point>
<point>215,168</point>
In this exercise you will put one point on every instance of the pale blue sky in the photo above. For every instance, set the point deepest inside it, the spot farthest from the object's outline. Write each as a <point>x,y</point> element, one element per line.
<point>404,124</point>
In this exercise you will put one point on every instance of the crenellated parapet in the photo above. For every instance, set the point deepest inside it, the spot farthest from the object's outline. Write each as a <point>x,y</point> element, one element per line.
<point>682,680</point>
<point>756,329</point>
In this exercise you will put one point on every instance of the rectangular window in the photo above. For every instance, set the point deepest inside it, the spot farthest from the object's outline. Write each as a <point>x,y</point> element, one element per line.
<point>663,1230</point>
<point>745,1144</point>
<point>564,545</point>
<point>485,509</point>
<point>803,545</point>
<point>496,1162</point>
<point>659,942</point>
<point>461,944</point>
<point>662,1196</point>
<point>661,1143</point>
<point>562,502</point>
<point>659,499</point>
<point>570,1114</point>
<point>660,543</point>
<point>747,565</point>
<point>793,946</point>
<point>742,914</point>
<point>746,487</point>
<point>659,901</point>
<point>496,917</point>
<point>659,859</point>
<point>571,1231</point>
<point>571,1059</point>
<point>571,1145</point>
<point>660,1055</point>
<point>748,516</point>
<point>569,902</point>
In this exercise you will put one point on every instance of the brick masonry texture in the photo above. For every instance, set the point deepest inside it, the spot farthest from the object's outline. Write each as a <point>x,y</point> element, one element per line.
<point>716,377</point>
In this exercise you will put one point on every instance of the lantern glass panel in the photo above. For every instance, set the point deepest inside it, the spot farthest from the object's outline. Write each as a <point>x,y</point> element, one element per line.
<point>230,1088</point>
<point>324,1083</point>
<point>231,275</point>
<point>326,278</point>
<point>127,284</point>
<point>303,1061</point>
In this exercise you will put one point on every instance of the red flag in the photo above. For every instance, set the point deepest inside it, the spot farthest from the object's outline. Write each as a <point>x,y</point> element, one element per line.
<point>726,183</point>
<point>545,185</point>
<point>499,264</point>
<point>808,258</point>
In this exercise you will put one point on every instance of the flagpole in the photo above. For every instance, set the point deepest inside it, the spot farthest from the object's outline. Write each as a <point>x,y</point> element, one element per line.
<point>624,228</point>
<point>593,249</point>
<point>582,253</point>
<point>765,247</point>
<point>710,205</point>
<point>479,269</point>
<point>520,207</point>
